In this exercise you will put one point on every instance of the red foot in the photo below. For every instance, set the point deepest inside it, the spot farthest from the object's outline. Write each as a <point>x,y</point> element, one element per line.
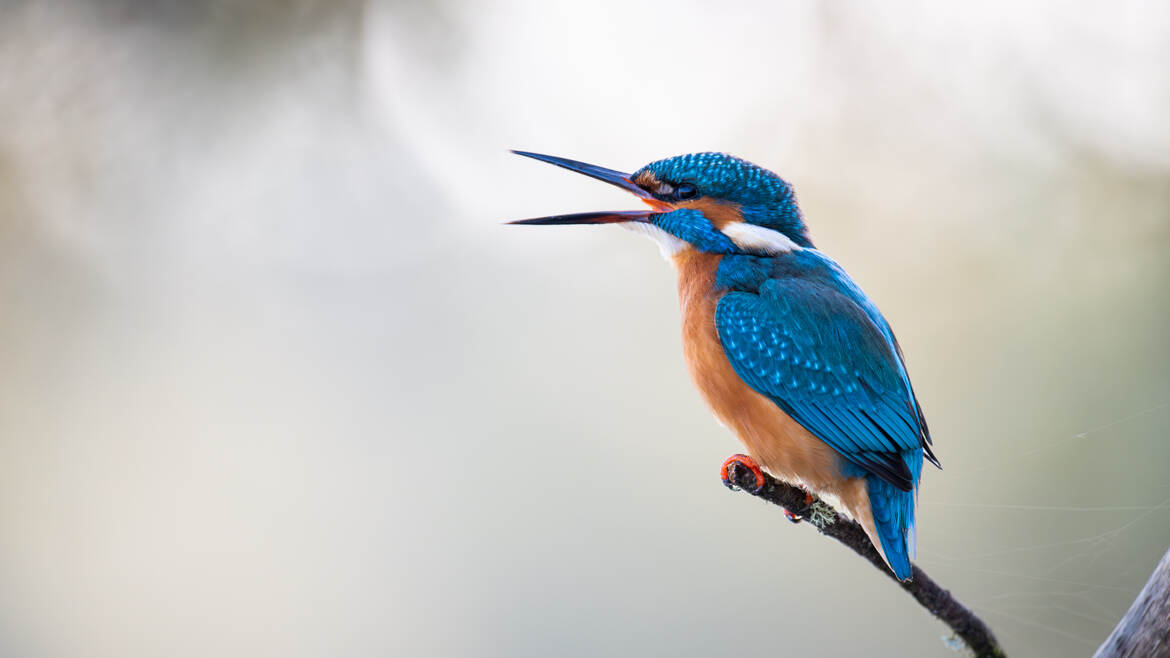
<point>797,518</point>
<point>741,461</point>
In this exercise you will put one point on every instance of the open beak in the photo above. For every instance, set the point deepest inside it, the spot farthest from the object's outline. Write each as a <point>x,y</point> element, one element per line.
<point>610,176</point>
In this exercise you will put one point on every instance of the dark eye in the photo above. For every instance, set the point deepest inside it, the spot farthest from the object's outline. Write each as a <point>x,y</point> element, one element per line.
<point>685,191</point>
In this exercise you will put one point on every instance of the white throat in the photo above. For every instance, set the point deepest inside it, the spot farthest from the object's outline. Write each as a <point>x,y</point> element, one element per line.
<point>667,243</point>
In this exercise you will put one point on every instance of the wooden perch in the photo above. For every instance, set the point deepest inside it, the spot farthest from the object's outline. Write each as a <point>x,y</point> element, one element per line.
<point>938,601</point>
<point>1144,631</point>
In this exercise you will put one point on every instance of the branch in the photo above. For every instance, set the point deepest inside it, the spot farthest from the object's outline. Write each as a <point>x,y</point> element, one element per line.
<point>1144,631</point>
<point>929,595</point>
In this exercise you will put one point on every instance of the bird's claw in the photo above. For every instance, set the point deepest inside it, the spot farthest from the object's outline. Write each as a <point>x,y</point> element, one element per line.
<point>797,517</point>
<point>734,462</point>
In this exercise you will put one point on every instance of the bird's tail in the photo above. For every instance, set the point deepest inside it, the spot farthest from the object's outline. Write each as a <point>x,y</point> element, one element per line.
<point>893,517</point>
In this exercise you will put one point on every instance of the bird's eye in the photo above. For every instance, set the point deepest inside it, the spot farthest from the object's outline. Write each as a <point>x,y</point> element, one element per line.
<point>685,191</point>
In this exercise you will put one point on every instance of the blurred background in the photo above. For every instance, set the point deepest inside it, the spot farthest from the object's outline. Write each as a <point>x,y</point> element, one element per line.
<point>276,381</point>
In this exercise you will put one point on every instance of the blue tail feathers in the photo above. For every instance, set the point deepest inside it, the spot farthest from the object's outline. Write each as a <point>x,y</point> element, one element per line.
<point>893,515</point>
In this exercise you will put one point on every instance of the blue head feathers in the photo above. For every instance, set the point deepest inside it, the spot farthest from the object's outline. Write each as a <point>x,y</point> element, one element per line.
<point>764,198</point>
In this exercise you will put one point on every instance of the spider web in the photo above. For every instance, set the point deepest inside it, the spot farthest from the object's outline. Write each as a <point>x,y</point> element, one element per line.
<point>1073,590</point>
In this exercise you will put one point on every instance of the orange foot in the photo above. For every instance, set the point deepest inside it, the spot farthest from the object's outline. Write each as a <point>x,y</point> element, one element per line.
<point>741,461</point>
<point>797,518</point>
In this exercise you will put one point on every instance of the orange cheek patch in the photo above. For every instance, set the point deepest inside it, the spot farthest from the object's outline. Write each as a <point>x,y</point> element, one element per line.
<point>719,214</point>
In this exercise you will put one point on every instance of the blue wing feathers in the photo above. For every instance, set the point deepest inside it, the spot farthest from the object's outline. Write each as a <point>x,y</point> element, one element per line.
<point>800,332</point>
<point>841,383</point>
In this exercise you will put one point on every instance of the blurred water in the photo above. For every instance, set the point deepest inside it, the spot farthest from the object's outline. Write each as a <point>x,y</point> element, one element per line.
<point>277,382</point>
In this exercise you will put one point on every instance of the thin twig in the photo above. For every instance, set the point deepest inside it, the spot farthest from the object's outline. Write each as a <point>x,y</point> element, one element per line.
<point>938,601</point>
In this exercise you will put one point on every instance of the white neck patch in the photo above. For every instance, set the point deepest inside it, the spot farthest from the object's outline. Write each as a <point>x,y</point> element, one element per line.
<point>752,237</point>
<point>668,244</point>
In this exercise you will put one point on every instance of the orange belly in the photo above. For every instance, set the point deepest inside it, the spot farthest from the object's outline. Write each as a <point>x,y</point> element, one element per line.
<point>782,446</point>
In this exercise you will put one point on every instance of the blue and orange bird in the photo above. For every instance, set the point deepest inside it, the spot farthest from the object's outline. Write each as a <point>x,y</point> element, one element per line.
<point>785,348</point>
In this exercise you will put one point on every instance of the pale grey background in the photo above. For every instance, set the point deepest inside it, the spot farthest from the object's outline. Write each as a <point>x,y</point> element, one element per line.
<point>276,381</point>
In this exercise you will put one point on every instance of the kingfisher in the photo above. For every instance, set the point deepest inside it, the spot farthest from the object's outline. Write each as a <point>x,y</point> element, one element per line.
<point>784,347</point>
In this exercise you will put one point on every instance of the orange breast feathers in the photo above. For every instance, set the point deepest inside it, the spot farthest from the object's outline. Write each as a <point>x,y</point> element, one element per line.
<point>782,446</point>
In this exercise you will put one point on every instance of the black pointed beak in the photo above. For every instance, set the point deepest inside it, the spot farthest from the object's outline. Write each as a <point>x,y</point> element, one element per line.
<point>604,217</point>
<point>615,178</point>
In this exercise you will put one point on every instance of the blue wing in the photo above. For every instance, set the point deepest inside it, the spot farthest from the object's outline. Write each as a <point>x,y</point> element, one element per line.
<point>819,350</point>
